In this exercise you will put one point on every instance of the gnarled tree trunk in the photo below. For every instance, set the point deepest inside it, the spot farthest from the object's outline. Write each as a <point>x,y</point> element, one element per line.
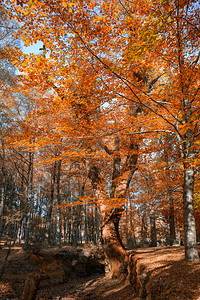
<point>112,244</point>
<point>111,214</point>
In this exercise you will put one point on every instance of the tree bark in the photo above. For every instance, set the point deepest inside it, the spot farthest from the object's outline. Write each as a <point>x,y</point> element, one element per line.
<point>28,200</point>
<point>153,229</point>
<point>121,177</point>
<point>113,247</point>
<point>190,241</point>
<point>144,230</point>
<point>51,200</point>
<point>191,252</point>
<point>172,232</point>
<point>3,192</point>
<point>59,221</point>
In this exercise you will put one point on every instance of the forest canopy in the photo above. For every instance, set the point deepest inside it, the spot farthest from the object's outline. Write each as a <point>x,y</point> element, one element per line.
<point>108,145</point>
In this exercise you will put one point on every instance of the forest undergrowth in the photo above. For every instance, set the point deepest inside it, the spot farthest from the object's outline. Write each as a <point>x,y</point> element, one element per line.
<point>157,273</point>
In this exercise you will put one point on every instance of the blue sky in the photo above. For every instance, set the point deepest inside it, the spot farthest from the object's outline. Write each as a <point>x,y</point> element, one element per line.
<point>33,48</point>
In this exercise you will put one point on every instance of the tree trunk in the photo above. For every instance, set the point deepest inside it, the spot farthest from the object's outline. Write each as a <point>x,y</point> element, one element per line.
<point>172,232</point>
<point>3,192</point>
<point>121,178</point>
<point>96,225</point>
<point>59,220</point>
<point>191,252</point>
<point>131,235</point>
<point>144,230</point>
<point>113,247</point>
<point>86,223</point>
<point>51,200</point>
<point>28,200</point>
<point>26,230</point>
<point>2,209</point>
<point>153,229</point>
<point>111,242</point>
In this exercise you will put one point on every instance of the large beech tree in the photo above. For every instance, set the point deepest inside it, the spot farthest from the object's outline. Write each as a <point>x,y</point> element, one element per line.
<point>142,54</point>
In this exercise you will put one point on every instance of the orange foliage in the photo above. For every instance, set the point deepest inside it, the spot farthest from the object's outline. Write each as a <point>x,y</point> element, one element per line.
<point>102,61</point>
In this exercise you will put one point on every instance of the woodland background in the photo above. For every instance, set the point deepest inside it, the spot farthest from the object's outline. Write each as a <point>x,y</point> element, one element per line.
<point>114,81</point>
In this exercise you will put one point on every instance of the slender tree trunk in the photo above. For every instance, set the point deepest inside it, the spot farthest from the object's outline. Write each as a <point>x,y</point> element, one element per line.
<point>3,192</point>
<point>172,232</point>
<point>2,208</point>
<point>86,222</point>
<point>22,208</point>
<point>132,238</point>
<point>144,230</point>
<point>28,200</point>
<point>77,222</point>
<point>72,227</point>
<point>50,209</point>
<point>190,241</point>
<point>153,229</point>
<point>59,221</point>
<point>19,231</point>
<point>69,226</point>
<point>26,230</point>
<point>96,223</point>
<point>64,229</point>
<point>191,252</point>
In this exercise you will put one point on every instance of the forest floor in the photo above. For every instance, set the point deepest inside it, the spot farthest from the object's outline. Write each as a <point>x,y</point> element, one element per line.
<point>167,277</point>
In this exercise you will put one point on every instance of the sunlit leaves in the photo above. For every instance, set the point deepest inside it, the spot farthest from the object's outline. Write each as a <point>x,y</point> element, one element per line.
<point>103,62</point>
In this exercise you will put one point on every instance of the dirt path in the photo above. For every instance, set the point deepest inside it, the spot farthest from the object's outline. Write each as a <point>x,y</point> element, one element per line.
<point>157,273</point>
<point>69,290</point>
<point>108,289</point>
<point>92,288</point>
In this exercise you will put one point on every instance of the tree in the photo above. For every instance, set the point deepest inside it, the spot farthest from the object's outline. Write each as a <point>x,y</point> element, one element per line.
<point>152,65</point>
<point>8,105</point>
